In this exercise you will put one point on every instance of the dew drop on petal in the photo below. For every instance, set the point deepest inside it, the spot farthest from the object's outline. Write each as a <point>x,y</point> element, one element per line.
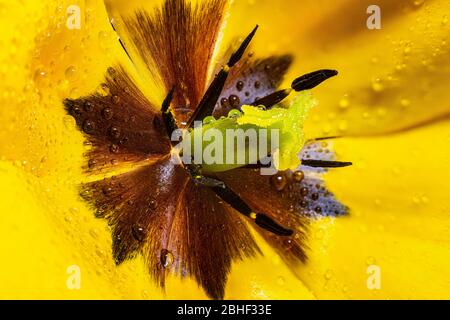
<point>138,232</point>
<point>166,258</point>
<point>208,120</point>
<point>115,99</point>
<point>278,181</point>
<point>107,113</point>
<point>281,281</point>
<point>88,126</point>
<point>114,132</point>
<point>152,204</point>
<point>114,148</point>
<point>328,274</point>
<point>234,113</point>
<point>234,100</point>
<point>70,72</point>
<point>298,176</point>
<point>377,85</point>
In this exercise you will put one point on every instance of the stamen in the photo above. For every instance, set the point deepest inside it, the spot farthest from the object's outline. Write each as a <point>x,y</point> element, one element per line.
<point>273,98</point>
<point>167,116</point>
<point>235,57</point>
<point>269,224</point>
<point>313,79</point>
<point>235,201</point>
<point>121,43</point>
<point>260,219</point>
<point>207,104</point>
<point>304,82</point>
<point>167,100</point>
<point>259,164</point>
<point>324,138</point>
<point>324,163</point>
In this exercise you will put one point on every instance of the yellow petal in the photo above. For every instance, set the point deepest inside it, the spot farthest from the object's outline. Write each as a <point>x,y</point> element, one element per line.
<point>397,191</point>
<point>45,230</point>
<point>389,79</point>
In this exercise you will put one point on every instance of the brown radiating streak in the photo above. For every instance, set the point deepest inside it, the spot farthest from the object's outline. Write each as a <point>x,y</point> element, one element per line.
<point>120,123</point>
<point>177,43</point>
<point>290,198</point>
<point>180,227</point>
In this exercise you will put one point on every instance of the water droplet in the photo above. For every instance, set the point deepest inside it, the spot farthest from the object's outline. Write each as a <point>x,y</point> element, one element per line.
<point>40,75</point>
<point>240,85</point>
<point>114,148</point>
<point>281,281</point>
<point>208,120</point>
<point>234,113</point>
<point>114,132</point>
<point>93,233</point>
<point>224,103</point>
<point>405,102</point>
<point>70,72</point>
<point>88,126</point>
<point>278,181</point>
<point>92,163</point>
<point>88,106</point>
<point>320,234</point>
<point>304,191</point>
<point>107,191</point>
<point>344,103</point>
<point>377,85</point>
<point>152,204</point>
<point>343,125</point>
<point>85,194</point>
<point>262,107</point>
<point>103,90</point>
<point>234,100</point>
<point>138,232</point>
<point>407,50</point>
<point>166,258</point>
<point>107,113</point>
<point>328,274</point>
<point>111,71</point>
<point>298,176</point>
<point>115,99</point>
<point>69,122</point>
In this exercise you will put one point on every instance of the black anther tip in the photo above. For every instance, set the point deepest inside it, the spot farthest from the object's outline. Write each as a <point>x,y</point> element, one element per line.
<point>240,52</point>
<point>269,224</point>
<point>313,79</point>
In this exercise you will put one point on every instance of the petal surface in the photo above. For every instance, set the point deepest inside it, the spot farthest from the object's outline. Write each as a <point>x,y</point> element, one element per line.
<point>389,79</point>
<point>397,191</point>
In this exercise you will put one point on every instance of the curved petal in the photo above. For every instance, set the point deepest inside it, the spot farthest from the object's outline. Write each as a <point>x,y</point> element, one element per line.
<point>399,220</point>
<point>390,79</point>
